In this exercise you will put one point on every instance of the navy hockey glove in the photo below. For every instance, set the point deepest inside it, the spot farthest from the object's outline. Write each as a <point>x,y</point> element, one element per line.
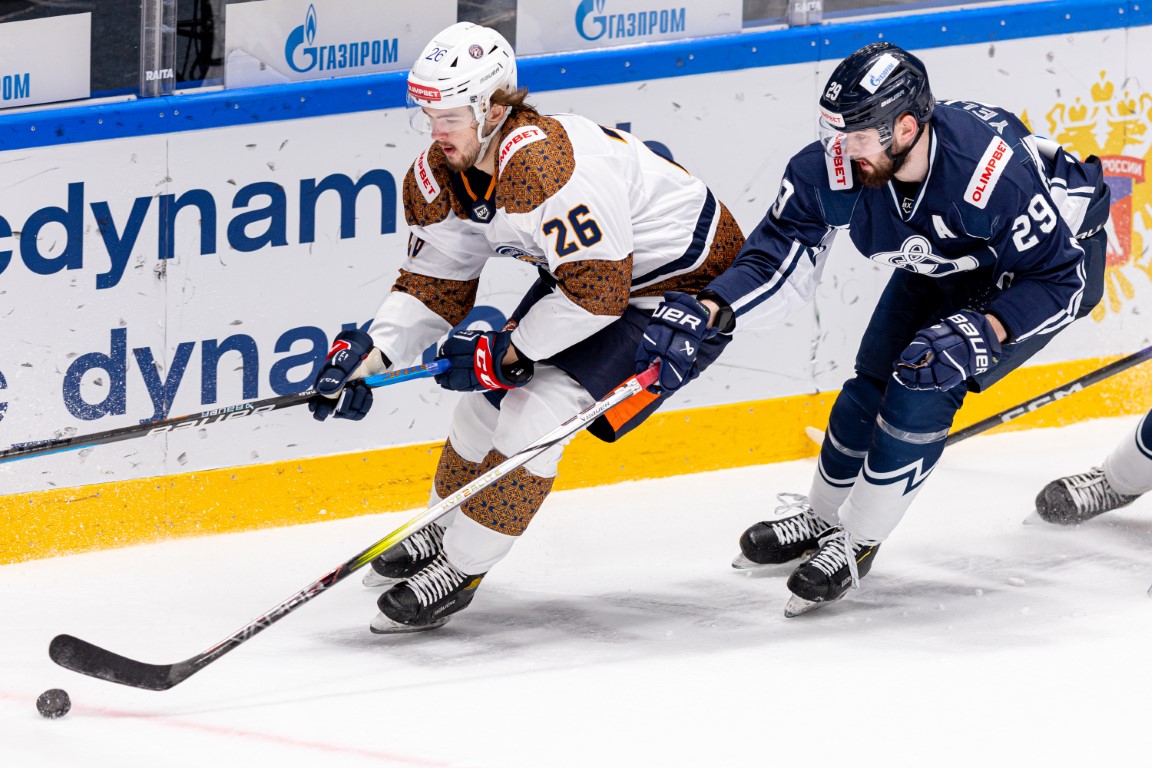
<point>334,393</point>
<point>943,355</point>
<point>674,334</point>
<point>476,362</point>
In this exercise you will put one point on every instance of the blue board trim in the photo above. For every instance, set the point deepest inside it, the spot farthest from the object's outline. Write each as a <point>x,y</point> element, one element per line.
<point>745,50</point>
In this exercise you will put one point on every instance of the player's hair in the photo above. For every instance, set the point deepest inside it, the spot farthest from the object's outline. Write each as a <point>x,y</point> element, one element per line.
<point>514,99</point>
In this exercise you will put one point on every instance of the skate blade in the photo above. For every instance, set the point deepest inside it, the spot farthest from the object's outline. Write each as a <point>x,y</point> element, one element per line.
<point>798,606</point>
<point>373,579</point>
<point>742,563</point>
<point>382,625</point>
<point>1033,518</point>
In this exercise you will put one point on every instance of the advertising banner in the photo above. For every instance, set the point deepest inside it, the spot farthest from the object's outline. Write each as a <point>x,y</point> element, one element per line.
<point>151,276</point>
<point>281,41</point>
<point>546,26</point>
<point>45,60</point>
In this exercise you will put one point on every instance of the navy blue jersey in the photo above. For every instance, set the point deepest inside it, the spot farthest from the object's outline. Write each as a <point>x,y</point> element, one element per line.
<point>995,198</point>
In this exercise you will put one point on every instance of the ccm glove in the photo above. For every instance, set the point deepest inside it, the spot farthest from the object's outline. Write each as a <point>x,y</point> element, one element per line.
<point>334,393</point>
<point>943,355</point>
<point>674,334</point>
<point>476,358</point>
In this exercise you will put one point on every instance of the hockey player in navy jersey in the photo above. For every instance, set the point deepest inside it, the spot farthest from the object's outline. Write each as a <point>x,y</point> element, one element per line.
<point>610,225</point>
<point>1124,476</point>
<point>996,238</point>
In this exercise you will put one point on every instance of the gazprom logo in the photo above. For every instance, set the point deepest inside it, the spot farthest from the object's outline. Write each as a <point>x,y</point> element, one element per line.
<point>303,54</point>
<point>592,23</point>
<point>305,33</point>
<point>310,25</point>
<point>584,14</point>
<point>879,72</point>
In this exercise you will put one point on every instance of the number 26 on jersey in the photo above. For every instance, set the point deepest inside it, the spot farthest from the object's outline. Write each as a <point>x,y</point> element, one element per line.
<point>581,230</point>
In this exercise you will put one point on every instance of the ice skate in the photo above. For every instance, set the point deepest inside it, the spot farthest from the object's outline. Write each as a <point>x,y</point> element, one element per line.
<point>426,600</point>
<point>832,570</point>
<point>791,534</point>
<point>1076,498</point>
<point>405,559</point>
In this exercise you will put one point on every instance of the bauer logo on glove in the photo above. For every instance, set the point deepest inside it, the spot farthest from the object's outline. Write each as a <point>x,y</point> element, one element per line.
<point>981,357</point>
<point>673,316</point>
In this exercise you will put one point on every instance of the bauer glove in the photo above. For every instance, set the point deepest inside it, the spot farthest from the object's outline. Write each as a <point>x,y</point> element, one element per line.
<point>674,334</point>
<point>943,355</point>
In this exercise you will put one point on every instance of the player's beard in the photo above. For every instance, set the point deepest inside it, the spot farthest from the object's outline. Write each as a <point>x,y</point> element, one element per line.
<point>464,157</point>
<point>878,174</point>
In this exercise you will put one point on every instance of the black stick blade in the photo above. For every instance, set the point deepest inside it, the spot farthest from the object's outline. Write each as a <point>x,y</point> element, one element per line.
<point>87,659</point>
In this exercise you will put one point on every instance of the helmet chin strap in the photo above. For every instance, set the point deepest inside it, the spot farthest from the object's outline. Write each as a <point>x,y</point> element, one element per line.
<point>898,158</point>
<point>486,141</point>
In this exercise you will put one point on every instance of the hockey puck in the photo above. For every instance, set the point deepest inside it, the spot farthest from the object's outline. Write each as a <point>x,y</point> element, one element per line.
<point>54,703</point>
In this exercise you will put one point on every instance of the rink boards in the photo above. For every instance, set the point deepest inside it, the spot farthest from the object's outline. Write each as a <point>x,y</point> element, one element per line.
<point>169,256</point>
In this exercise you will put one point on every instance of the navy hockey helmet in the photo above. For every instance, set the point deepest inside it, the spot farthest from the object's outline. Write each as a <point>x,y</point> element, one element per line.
<point>867,93</point>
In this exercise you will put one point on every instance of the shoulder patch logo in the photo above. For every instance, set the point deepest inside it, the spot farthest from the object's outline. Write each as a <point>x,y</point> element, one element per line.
<point>839,169</point>
<point>517,140</point>
<point>425,179</point>
<point>522,255</point>
<point>988,171</point>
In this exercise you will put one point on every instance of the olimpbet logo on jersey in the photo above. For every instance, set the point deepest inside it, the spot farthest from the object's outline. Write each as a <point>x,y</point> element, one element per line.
<point>278,41</point>
<point>547,25</point>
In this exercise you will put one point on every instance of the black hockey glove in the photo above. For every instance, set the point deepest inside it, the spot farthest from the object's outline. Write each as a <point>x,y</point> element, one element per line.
<point>476,362</point>
<point>674,334</point>
<point>943,355</point>
<point>334,393</point>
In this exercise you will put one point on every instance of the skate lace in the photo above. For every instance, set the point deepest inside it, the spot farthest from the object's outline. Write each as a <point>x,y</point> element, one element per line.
<point>837,550</point>
<point>803,525</point>
<point>425,542</point>
<point>436,581</point>
<point>1091,492</point>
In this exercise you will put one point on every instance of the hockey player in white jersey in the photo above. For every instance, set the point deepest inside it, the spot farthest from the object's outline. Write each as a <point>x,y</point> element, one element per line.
<point>1124,476</point>
<point>997,242</point>
<point>610,225</point>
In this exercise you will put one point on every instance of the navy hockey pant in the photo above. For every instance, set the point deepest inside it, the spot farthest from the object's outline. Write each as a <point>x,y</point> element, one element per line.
<point>895,434</point>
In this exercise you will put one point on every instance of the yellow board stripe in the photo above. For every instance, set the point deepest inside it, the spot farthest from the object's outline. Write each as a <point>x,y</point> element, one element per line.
<point>65,521</point>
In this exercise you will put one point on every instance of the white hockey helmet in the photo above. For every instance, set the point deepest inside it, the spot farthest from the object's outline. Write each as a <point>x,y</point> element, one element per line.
<point>463,65</point>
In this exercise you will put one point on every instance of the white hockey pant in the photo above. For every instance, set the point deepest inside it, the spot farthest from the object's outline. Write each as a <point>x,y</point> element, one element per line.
<point>525,414</point>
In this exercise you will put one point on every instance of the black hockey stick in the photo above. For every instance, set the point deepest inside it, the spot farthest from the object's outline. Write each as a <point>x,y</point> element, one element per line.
<point>88,659</point>
<point>1051,396</point>
<point>204,418</point>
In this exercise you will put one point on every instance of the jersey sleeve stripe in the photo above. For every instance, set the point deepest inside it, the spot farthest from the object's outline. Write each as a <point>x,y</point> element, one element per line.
<point>695,253</point>
<point>1064,317</point>
<point>767,290</point>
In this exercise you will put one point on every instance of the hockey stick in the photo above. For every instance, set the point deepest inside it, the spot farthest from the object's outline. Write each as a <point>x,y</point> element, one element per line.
<point>1051,396</point>
<point>204,418</point>
<point>88,659</point>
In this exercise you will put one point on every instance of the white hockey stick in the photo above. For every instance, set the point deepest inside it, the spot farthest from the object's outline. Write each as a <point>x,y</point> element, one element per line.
<point>88,659</point>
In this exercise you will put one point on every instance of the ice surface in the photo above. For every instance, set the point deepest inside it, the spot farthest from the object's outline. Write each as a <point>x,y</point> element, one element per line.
<point>616,634</point>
